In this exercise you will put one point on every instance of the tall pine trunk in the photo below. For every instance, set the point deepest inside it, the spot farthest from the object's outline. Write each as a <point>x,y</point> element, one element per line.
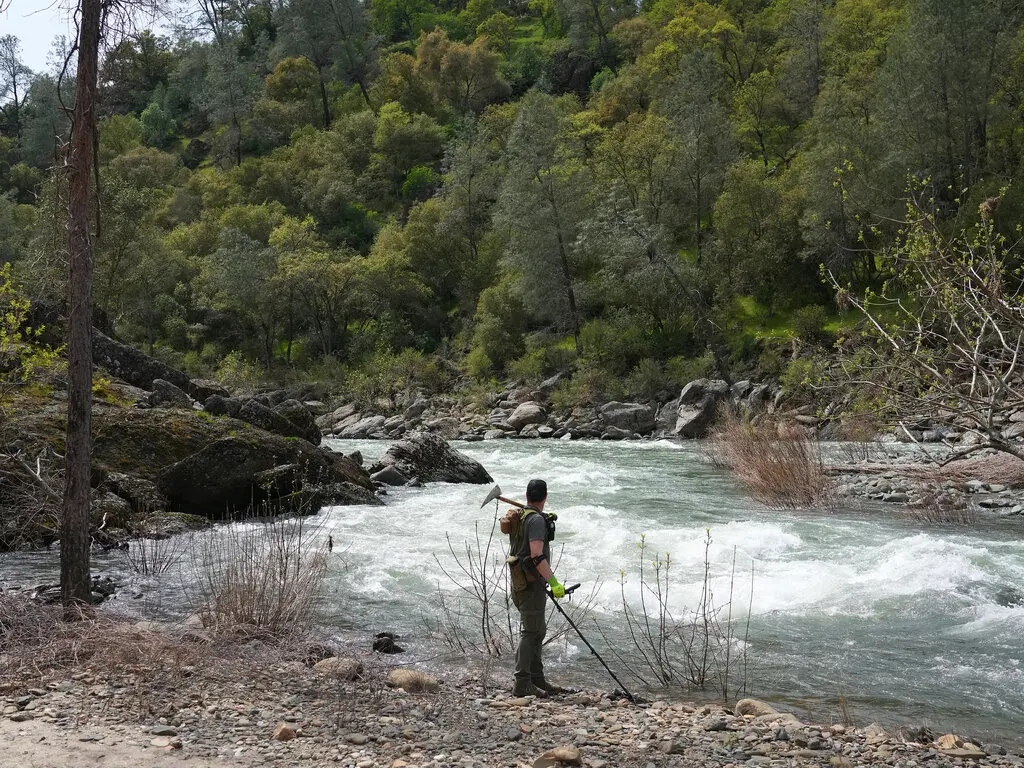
<point>75,583</point>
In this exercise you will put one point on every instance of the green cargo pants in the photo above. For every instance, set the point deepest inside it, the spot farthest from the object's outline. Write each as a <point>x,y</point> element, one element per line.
<point>531,603</point>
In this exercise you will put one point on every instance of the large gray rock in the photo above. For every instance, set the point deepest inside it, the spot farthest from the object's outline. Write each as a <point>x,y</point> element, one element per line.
<point>695,392</point>
<point>695,419</point>
<point>329,421</point>
<point>167,395</point>
<point>259,415</point>
<point>142,494</point>
<point>226,475</point>
<point>134,366</point>
<point>528,413</point>
<point>632,417</point>
<point>301,417</point>
<point>430,458</point>
<point>362,428</point>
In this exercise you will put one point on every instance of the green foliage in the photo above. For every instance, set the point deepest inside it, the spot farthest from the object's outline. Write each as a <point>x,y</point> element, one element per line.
<point>157,126</point>
<point>802,376</point>
<point>809,323</point>
<point>309,183</point>
<point>24,357</point>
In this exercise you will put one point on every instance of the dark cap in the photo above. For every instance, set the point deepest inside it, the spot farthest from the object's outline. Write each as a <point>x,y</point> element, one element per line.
<point>537,490</point>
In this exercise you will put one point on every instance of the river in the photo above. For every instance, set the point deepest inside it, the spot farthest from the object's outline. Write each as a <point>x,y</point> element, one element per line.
<point>853,612</point>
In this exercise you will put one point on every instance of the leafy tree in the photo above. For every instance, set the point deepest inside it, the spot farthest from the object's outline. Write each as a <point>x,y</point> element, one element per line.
<point>462,78</point>
<point>239,278</point>
<point>759,241</point>
<point>397,20</point>
<point>133,71</point>
<point>543,201</point>
<point>158,127</point>
<point>322,280</point>
<point>703,129</point>
<point>14,81</point>
<point>45,123</point>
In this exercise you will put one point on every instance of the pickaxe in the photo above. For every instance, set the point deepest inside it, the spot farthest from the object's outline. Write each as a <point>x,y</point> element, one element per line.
<point>497,493</point>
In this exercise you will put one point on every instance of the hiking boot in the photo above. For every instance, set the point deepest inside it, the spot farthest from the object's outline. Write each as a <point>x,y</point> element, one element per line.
<point>528,689</point>
<point>549,688</point>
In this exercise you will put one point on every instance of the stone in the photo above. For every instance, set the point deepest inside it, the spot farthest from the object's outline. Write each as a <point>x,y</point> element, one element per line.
<point>527,413</point>
<point>411,680</point>
<point>166,395</point>
<point>630,417</point>
<point>284,732</point>
<point>753,707</point>
<point>343,668</point>
<point>566,755</point>
<point>430,458</point>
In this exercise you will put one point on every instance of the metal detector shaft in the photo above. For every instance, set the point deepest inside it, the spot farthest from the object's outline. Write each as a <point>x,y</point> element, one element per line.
<point>628,694</point>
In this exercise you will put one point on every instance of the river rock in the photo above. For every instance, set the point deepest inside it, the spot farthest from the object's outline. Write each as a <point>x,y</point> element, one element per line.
<point>411,681</point>
<point>694,420</point>
<point>527,413</point>
<point>343,668</point>
<point>631,417</point>
<point>362,428</point>
<point>753,707</point>
<point>430,458</point>
<point>134,366</point>
<point>565,755</point>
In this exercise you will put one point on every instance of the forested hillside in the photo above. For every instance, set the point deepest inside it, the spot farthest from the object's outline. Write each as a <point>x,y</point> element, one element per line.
<point>407,191</point>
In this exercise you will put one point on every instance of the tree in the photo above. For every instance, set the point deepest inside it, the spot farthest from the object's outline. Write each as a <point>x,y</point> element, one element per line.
<point>14,82</point>
<point>944,338</point>
<point>543,200</point>
<point>75,581</point>
<point>703,129</point>
<point>321,278</point>
<point>133,70</point>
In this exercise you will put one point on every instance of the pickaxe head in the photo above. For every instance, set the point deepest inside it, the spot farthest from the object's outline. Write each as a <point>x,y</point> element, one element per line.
<point>497,493</point>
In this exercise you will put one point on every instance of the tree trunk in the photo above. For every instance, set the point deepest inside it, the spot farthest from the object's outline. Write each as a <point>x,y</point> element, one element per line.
<point>75,586</point>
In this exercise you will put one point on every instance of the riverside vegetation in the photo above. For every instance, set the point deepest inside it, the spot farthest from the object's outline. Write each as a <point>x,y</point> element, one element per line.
<point>607,220</point>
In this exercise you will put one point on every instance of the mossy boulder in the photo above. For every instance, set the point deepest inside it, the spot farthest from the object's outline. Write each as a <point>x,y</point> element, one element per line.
<point>209,465</point>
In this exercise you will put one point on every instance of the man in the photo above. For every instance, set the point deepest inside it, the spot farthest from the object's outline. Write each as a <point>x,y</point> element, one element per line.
<point>529,543</point>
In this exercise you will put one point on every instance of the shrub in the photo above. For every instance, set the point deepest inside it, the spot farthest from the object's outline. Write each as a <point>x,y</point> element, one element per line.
<point>263,578</point>
<point>778,464</point>
<point>24,357</point>
<point>809,324</point>
<point>681,371</point>
<point>647,380</point>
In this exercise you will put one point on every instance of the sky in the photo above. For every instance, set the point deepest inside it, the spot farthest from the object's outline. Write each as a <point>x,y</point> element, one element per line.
<point>36,23</point>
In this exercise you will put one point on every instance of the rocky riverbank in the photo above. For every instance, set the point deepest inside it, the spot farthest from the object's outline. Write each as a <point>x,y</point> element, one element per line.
<point>149,699</point>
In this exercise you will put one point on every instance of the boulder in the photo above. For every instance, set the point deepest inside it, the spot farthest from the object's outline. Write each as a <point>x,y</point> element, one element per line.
<point>209,466</point>
<point>259,415</point>
<point>132,365</point>
<point>300,416</point>
<point>201,389</point>
<point>362,428</point>
<point>108,510</point>
<point>415,409</point>
<point>222,405</point>
<point>142,494</point>
<point>390,476</point>
<point>632,417</point>
<point>167,395</point>
<point>697,390</point>
<point>328,421</point>
<point>430,458</point>
<point>527,413</point>
<point>694,420</point>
